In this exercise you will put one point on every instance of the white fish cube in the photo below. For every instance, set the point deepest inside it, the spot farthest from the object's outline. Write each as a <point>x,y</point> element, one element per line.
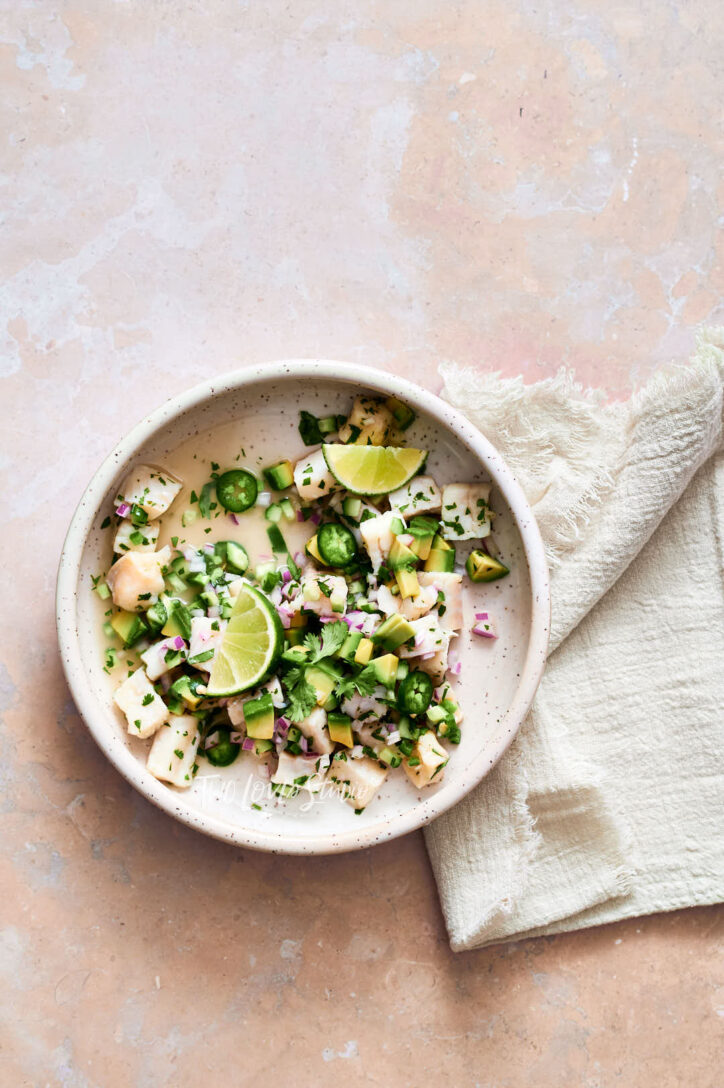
<point>372,422</point>
<point>298,771</point>
<point>154,658</point>
<point>314,728</point>
<point>136,579</point>
<point>145,711</point>
<point>433,759</point>
<point>451,585</point>
<point>145,538</point>
<point>206,634</point>
<point>358,780</point>
<point>173,752</point>
<point>420,496</point>
<point>312,477</point>
<point>151,488</point>
<point>430,638</point>
<point>377,536</point>
<point>465,512</point>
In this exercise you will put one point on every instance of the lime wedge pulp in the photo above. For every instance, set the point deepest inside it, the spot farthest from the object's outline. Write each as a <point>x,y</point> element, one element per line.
<point>372,470</point>
<point>251,645</point>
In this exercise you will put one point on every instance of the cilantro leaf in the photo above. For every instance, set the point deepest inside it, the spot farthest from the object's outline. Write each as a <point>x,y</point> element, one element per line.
<point>364,683</point>
<point>301,698</point>
<point>331,639</point>
<point>205,499</point>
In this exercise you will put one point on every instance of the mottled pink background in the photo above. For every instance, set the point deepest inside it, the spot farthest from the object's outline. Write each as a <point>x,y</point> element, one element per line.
<point>187,187</point>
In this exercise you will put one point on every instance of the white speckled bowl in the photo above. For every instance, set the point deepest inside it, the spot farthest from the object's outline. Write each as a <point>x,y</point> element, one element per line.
<point>498,679</point>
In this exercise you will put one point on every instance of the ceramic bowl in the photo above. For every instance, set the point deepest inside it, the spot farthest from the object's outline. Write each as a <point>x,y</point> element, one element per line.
<point>498,678</point>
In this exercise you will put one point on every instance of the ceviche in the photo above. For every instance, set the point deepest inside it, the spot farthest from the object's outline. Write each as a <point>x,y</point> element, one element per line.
<point>332,661</point>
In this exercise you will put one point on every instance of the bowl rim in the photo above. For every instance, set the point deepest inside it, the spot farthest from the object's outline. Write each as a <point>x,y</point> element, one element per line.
<point>420,812</point>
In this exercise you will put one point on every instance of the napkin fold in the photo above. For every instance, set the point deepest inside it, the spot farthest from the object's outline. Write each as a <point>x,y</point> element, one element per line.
<point>609,803</point>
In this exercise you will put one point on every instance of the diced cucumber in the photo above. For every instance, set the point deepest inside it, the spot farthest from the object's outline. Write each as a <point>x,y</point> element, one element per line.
<point>157,616</point>
<point>288,510</point>
<point>273,512</point>
<point>390,756</point>
<point>352,507</point>
<point>329,424</point>
<point>189,517</point>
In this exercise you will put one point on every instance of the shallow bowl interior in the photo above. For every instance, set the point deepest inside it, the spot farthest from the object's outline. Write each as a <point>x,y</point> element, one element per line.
<point>259,410</point>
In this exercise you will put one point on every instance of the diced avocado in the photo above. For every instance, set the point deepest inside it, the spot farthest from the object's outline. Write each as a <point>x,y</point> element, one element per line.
<point>312,549</point>
<point>129,627</point>
<point>349,647</point>
<point>385,669</point>
<point>421,546</point>
<point>352,507</point>
<point>340,728</point>
<point>392,632</point>
<point>401,557</point>
<point>402,413</point>
<point>442,556</point>
<point>298,619</point>
<point>179,620</point>
<point>262,746</point>
<point>296,654</point>
<point>186,688</point>
<point>259,717</point>
<point>408,583</point>
<point>363,653</point>
<point>482,567</point>
<point>280,476</point>
<point>295,636</point>
<point>323,684</point>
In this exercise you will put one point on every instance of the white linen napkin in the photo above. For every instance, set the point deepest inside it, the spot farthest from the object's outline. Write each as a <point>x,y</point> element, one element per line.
<point>609,803</point>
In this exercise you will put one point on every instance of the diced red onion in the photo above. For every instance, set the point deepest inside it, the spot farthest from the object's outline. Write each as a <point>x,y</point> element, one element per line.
<point>123,510</point>
<point>178,643</point>
<point>299,559</point>
<point>234,518</point>
<point>406,539</point>
<point>213,612</point>
<point>209,548</point>
<point>457,668</point>
<point>481,616</point>
<point>248,744</point>
<point>283,722</point>
<point>315,518</point>
<point>304,744</point>
<point>286,575</point>
<point>478,629</point>
<point>426,657</point>
<point>300,515</point>
<point>393,737</point>
<point>284,616</point>
<point>165,681</point>
<point>239,738</point>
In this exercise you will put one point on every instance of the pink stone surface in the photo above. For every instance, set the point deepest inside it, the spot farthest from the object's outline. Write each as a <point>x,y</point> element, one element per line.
<point>192,187</point>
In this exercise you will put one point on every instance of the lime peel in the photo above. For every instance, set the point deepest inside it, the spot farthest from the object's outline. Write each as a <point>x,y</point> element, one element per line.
<point>373,470</point>
<point>251,645</point>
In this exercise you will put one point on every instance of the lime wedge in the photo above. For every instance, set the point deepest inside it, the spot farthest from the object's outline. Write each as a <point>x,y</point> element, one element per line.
<point>372,470</point>
<point>250,647</point>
